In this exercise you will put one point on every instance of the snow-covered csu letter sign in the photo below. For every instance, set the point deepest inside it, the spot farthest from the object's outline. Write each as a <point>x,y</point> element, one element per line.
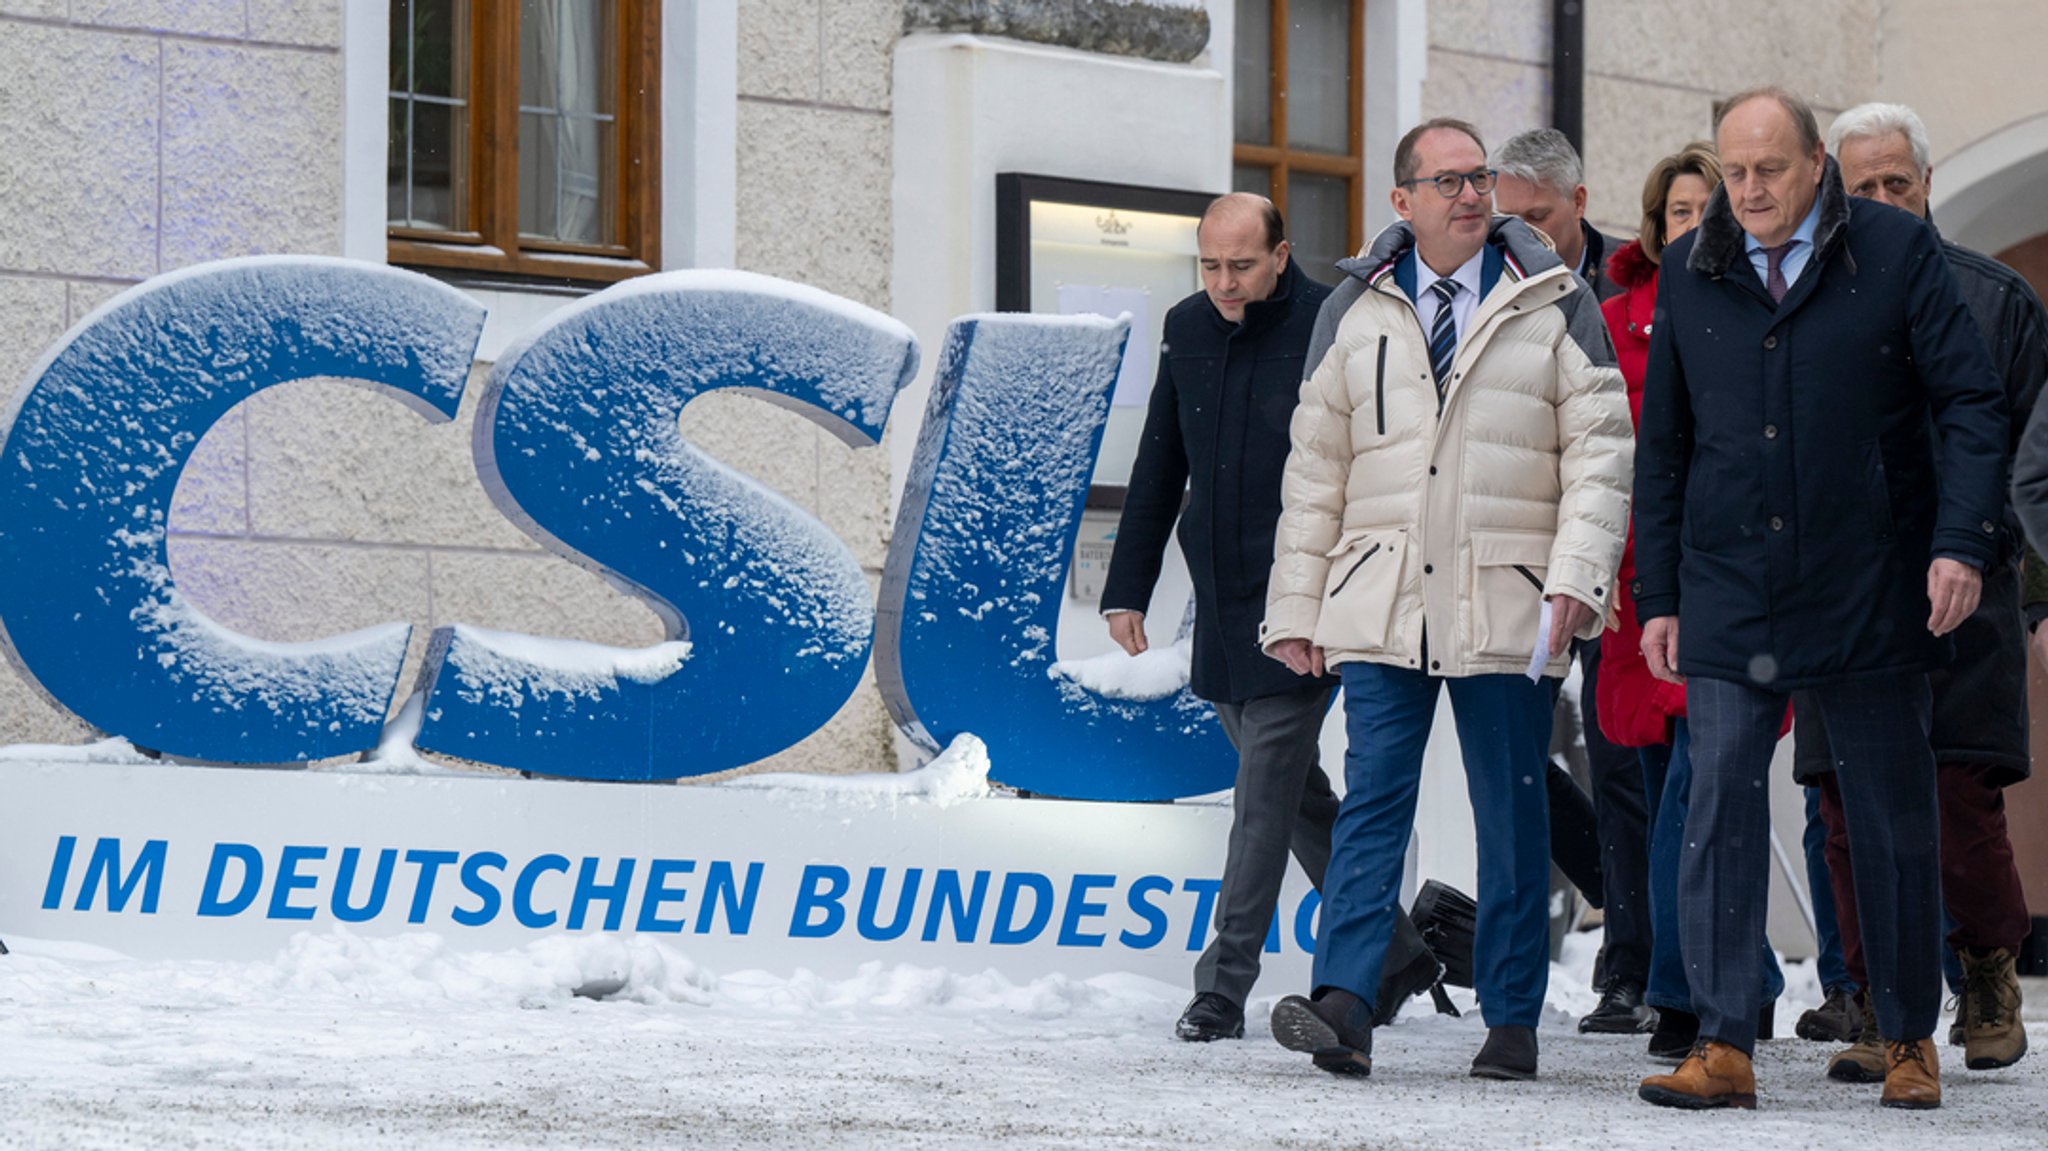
<point>971,596</point>
<point>92,457</point>
<point>769,624</point>
<point>768,615</point>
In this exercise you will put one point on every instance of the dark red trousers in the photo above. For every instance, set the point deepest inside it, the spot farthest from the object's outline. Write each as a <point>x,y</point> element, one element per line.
<point>1980,885</point>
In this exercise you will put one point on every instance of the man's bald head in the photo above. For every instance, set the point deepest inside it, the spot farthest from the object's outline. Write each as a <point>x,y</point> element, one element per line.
<point>1236,204</point>
<point>1243,248</point>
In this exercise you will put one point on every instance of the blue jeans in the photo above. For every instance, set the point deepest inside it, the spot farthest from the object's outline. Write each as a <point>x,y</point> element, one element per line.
<point>1504,731</point>
<point>1820,891</point>
<point>1667,781</point>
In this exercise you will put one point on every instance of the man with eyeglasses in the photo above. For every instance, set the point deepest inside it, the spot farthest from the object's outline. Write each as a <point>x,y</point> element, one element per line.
<point>1453,512</point>
<point>1230,369</point>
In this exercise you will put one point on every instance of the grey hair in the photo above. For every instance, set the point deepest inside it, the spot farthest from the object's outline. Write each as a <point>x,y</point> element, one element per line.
<point>1875,120</point>
<point>1542,156</point>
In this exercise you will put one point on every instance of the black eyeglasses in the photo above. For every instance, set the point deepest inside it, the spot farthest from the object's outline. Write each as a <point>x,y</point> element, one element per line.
<point>1448,184</point>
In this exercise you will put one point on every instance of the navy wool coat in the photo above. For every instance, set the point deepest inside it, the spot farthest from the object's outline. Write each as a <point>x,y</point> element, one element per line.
<point>1788,494</point>
<point>1216,432</point>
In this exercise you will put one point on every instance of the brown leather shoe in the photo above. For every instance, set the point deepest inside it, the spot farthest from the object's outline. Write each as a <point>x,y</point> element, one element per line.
<point>1912,1077</point>
<point>1714,1075</point>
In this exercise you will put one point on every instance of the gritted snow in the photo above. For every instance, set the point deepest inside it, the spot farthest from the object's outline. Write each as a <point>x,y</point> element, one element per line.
<point>344,1041</point>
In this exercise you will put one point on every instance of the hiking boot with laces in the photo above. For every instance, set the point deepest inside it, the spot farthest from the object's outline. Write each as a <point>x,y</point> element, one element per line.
<point>1836,1020</point>
<point>1863,1060</point>
<point>1713,1075</point>
<point>1912,1075</point>
<point>1993,1035</point>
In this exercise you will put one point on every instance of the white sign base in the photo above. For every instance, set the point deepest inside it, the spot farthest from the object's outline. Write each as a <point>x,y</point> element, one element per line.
<point>165,861</point>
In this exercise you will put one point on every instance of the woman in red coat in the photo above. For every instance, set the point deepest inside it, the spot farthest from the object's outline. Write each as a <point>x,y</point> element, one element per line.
<point>1637,709</point>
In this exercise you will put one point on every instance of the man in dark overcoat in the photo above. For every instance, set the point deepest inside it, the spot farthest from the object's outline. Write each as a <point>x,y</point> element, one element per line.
<point>1230,370</point>
<point>1980,702</point>
<point>1797,530</point>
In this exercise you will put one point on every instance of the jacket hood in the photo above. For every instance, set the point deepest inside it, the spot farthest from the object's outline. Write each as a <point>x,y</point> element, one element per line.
<point>1631,267</point>
<point>1720,241</point>
<point>1528,249</point>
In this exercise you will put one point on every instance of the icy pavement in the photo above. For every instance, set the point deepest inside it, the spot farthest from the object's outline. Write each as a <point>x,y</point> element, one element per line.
<point>346,1042</point>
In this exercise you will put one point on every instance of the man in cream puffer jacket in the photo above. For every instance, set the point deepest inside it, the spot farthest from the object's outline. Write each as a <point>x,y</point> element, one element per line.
<point>1462,457</point>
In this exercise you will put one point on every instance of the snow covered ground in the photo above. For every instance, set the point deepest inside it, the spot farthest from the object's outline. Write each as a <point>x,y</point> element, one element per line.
<point>346,1042</point>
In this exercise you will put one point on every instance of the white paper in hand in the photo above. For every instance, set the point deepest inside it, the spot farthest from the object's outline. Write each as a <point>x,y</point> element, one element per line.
<point>1541,656</point>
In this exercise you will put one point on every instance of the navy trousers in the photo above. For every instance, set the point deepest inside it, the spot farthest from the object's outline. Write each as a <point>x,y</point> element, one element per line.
<point>1667,779</point>
<point>1878,729</point>
<point>1504,731</point>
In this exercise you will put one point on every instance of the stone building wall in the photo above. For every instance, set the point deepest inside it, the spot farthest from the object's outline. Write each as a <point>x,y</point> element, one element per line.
<point>214,128</point>
<point>1653,71</point>
<point>143,137</point>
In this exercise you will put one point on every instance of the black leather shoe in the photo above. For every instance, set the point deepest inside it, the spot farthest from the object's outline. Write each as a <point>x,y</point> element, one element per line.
<point>1508,1053</point>
<point>1335,1029</point>
<point>1676,1032</point>
<point>1210,1016</point>
<point>1621,1011</point>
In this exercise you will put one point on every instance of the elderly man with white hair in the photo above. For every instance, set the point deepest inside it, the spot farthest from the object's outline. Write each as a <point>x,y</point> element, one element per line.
<point>1979,731</point>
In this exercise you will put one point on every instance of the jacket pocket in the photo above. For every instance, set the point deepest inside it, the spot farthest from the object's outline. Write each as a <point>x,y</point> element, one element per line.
<point>1877,497</point>
<point>1379,387</point>
<point>1360,591</point>
<point>1508,569</point>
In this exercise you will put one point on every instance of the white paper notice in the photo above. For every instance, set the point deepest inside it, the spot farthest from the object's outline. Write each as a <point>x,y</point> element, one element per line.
<point>1541,656</point>
<point>1134,380</point>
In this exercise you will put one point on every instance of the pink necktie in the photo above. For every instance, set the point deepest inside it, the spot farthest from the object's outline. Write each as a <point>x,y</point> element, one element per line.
<point>1774,281</point>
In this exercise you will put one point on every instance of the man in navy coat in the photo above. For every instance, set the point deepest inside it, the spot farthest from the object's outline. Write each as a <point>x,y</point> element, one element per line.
<point>1798,530</point>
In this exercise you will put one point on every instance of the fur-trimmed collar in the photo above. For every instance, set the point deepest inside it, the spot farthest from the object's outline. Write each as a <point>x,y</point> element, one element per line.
<point>1631,267</point>
<point>1527,250</point>
<point>1720,243</point>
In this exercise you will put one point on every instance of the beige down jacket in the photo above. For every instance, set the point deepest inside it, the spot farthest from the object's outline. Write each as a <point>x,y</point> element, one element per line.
<point>1400,520</point>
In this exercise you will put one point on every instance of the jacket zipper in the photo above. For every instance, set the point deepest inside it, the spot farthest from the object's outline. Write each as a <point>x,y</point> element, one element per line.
<point>1530,576</point>
<point>1379,387</point>
<point>1352,572</point>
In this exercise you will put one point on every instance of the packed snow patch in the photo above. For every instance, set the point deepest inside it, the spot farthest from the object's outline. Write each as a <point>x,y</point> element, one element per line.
<point>958,774</point>
<point>1151,674</point>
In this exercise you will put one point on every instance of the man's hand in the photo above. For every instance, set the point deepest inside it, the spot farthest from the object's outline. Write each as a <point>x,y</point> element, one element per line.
<point>1300,656</point>
<point>1660,648</point>
<point>1567,616</point>
<point>1127,628</point>
<point>1953,589</point>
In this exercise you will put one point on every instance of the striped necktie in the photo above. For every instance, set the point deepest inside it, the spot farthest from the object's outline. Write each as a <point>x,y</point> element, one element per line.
<point>1443,333</point>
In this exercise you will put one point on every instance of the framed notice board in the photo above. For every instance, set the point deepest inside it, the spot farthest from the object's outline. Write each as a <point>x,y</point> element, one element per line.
<point>1083,246</point>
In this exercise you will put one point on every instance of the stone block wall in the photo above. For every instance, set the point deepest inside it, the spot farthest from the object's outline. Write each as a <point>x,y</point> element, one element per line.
<point>1653,71</point>
<point>813,189</point>
<point>145,136</point>
<point>213,128</point>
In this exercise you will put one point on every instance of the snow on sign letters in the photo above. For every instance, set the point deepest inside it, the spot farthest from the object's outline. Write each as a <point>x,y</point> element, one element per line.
<point>768,615</point>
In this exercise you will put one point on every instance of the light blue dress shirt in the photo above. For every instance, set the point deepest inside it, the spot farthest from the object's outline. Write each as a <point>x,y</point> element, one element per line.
<point>1795,260</point>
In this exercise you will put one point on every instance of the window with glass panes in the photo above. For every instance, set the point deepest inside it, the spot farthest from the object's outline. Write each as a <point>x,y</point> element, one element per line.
<point>1300,137</point>
<point>524,137</point>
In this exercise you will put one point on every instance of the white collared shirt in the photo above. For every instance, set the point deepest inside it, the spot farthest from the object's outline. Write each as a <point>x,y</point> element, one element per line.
<point>1463,305</point>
